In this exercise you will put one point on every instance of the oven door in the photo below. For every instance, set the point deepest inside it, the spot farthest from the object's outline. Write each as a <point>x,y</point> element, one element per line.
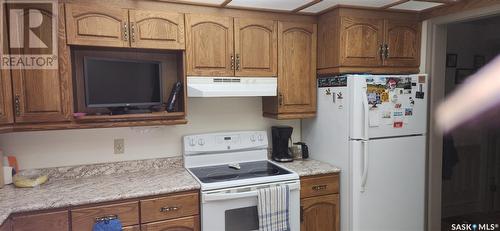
<point>236,208</point>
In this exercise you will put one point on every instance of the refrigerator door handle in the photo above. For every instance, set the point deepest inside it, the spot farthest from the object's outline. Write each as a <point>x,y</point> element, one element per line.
<point>366,109</point>
<point>364,174</point>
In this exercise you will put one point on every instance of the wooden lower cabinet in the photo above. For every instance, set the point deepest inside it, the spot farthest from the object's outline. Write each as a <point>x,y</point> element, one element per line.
<point>319,204</point>
<point>132,228</point>
<point>181,224</point>
<point>84,218</point>
<point>54,221</point>
<point>320,213</point>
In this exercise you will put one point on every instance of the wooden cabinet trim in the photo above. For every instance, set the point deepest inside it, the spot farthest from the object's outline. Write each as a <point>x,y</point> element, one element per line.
<point>324,213</point>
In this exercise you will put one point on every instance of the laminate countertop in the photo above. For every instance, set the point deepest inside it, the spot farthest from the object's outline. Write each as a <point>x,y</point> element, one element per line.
<point>86,185</point>
<point>310,167</point>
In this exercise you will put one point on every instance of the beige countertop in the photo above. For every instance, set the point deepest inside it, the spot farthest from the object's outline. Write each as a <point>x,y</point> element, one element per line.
<point>310,167</point>
<point>88,184</point>
<point>65,192</point>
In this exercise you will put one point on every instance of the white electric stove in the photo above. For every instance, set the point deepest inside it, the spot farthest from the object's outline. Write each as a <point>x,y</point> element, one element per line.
<point>230,168</point>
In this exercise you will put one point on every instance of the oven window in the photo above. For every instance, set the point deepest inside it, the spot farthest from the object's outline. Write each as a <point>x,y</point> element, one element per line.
<point>242,219</point>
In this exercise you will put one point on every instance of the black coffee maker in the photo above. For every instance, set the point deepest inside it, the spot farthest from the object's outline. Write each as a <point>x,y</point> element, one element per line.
<point>281,136</point>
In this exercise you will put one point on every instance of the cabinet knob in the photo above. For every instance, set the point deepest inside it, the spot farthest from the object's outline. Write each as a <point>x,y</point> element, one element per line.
<point>238,62</point>
<point>125,31</point>
<point>319,187</point>
<point>168,209</point>
<point>386,51</point>
<point>280,99</point>
<point>17,105</point>
<point>381,51</point>
<point>106,218</point>
<point>232,62</point>
<point>132,31</point>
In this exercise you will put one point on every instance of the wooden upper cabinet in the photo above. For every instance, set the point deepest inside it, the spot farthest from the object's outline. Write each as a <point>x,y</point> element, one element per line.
<point>43,95</point>
<point>403,43</point>
<point>209,45</point>
<point>360,41</point>
<point>256,47</point>
<point>297,62</point>
<point>6,113</point>
<point>320,213</point>
<point>97,25</point>
<point>158,30</point>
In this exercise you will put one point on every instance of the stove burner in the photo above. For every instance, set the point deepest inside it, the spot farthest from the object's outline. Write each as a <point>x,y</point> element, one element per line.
<point>265,172</point>
<point>248,170</point>
<point>221,176</point>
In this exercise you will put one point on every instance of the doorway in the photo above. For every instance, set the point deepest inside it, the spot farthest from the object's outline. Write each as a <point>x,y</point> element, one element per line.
<point>463,166</point>
<point>471,157</point>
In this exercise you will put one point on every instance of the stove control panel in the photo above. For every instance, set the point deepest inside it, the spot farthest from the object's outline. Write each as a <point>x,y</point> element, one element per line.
<point>223,142</point>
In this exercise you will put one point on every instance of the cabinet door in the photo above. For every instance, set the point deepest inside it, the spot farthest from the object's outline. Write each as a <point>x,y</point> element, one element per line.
<point>360,42</point>
<point>43,95</point>
<point>158,30</point>
<point>297,62</point>
<point>55,221</point>
<point>181,224</point>
<point>256,47</point>
<point>5,98</point>
<point>97,26</point>
<point>403,43</point>
<point>209,45</point>
<point>320,213</point>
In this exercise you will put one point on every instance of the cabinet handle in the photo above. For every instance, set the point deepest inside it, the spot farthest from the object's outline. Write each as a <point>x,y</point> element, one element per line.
<point>106,218</point>
<point>125,31</point>
<point>319,187</point>
<point>280,99</point>
<point>386,51</point>
<point>132,31</point>
<point>168,209</point>
<point>381,51</point>
<point>17,105</point>
<point>238,62</point>
<point>232,62</point>
<point>301,214</point>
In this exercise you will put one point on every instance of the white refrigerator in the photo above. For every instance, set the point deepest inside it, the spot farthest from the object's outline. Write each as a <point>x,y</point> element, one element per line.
<point>374,128</point>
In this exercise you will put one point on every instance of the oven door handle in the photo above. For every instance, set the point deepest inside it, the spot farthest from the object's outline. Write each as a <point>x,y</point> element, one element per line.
<point>229,196</point>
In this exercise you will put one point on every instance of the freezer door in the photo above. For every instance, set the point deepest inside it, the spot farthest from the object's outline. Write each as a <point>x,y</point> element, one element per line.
<point>391,196</point>
<point>388,105</point>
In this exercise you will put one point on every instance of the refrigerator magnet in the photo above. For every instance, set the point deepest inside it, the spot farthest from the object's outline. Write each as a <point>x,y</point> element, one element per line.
<point>398,105</point>
<point>398,124</point>
<point>398,114</point>
<point>408,111</point>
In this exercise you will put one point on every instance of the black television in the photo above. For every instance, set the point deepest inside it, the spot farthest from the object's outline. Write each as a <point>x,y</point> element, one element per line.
<point>122,83</point>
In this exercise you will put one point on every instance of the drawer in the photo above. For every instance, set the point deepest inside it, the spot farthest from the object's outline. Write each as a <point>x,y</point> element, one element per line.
<point>186,223</point>
<point>169,207</point>
<point>83,219</point>
<point>54,221</point>
<point>319,185</point>
<point>131,228</point>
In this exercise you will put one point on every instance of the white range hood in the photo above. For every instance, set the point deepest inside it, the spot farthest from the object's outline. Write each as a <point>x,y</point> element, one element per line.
<point>201,86</point>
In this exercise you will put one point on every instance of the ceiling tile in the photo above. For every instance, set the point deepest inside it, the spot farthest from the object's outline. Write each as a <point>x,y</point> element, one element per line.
<point>416,5</point>
<point>286,5</point>
<point>325,4</point>
<point>209,2</point>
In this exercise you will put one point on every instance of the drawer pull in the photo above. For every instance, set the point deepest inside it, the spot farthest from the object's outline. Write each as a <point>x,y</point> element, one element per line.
<point>106,218</point>
<point>319,187</point>
<point>168,209</point>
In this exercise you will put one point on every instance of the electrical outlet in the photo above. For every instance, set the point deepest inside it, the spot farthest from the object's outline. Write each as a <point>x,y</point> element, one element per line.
<point>119,146</point>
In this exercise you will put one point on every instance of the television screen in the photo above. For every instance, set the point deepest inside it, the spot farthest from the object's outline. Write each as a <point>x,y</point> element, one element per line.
<point>121,83</point>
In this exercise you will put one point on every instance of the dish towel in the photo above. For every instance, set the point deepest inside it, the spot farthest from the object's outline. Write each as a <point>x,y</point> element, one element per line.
<point>273,208</point>
<point>108,225</point>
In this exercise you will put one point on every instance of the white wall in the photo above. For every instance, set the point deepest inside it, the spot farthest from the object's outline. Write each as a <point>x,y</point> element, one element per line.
<point>74,147</point>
